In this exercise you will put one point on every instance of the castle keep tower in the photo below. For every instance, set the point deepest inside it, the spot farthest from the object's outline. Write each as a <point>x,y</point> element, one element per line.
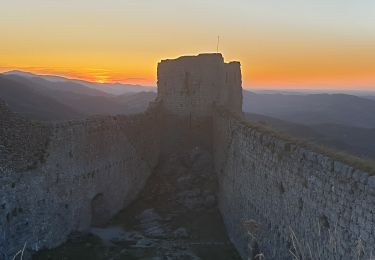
<point>192,85</point>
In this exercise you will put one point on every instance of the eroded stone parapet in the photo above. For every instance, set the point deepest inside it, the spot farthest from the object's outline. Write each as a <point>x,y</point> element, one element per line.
<point>92,169</point>
<point>23,143</point>
<point>293,193</point>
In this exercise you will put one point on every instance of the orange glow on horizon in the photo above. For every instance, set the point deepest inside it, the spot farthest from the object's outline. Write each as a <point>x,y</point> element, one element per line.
<point>97,76</point>
<point>364,82</point>
<point>280,44</point>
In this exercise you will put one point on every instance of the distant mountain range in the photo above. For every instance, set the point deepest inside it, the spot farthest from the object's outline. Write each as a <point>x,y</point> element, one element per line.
<point>340,121</point>
<point>110,88</point>
<point>56,98</point>
<point>313,109</point>
<point>29,102</point>
<point>353,140</point>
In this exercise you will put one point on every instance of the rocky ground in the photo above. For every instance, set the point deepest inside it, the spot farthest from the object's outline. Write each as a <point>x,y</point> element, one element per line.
<point>175,217</point>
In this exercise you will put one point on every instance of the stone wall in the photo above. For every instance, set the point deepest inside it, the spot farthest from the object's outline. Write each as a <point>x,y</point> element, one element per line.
<point>91,169</point>
<point>289,197</point>
<point>22,142</point>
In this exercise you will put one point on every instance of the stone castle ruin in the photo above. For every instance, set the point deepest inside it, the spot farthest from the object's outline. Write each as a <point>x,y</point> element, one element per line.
<point>192,86</point>
<point>277,198</point>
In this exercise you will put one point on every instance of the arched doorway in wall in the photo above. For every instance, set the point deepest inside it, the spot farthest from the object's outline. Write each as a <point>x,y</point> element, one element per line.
<point>99,211</point>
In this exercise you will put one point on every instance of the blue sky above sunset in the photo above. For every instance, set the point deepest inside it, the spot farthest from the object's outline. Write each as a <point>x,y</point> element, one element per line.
<point>290,43</point>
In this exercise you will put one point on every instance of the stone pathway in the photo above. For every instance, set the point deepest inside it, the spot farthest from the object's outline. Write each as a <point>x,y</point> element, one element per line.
<point>174,217</point>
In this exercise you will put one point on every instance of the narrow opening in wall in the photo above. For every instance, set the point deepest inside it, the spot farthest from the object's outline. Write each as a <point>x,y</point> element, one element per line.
<point>256,254</point>
<point>281,188</point>
<point>99,212</point>
<point>323,222</point>
<point>300,204</point>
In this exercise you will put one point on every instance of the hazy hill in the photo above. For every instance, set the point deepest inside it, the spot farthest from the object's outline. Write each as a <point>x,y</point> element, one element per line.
<point>124,104</point>
<point>119,88</point>
<point>41,99</point>
<point>53,88</point>
<point>136,102</point>
<point>109,88</point>
<point>313,108</point>
<point>31,103</point>
<point>354,140</point>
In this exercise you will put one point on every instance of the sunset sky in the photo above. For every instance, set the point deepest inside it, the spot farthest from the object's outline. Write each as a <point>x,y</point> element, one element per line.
<point>280,43</point>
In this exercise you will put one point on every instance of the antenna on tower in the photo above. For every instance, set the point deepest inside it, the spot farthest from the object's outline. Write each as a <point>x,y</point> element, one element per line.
<point>218,42</point>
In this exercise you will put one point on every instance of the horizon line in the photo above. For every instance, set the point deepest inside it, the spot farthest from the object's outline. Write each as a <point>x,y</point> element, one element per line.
<point>293,88</point>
